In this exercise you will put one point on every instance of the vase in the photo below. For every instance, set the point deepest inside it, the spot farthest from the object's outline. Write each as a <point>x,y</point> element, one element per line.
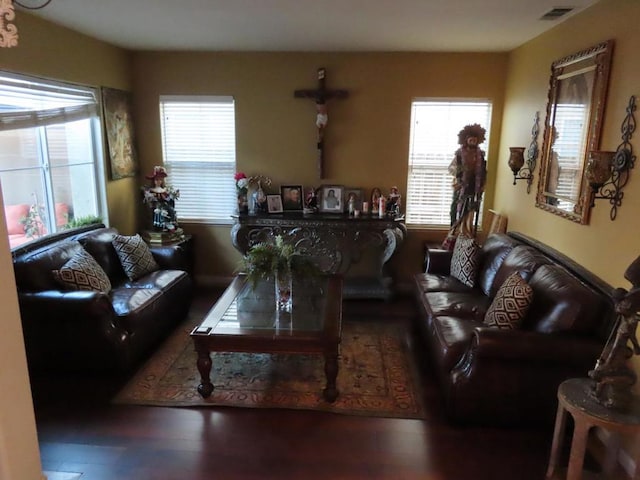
<point>283,285</point>
<point>243,204</point>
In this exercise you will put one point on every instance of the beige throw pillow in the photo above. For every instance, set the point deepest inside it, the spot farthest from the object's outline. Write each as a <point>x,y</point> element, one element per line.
<point>135,256</point>
<point>510,304</point>
<point>465,260</point>
<point>82,272</point>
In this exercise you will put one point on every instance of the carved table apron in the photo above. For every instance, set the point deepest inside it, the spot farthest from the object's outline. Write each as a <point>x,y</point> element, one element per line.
<point>358,248</point>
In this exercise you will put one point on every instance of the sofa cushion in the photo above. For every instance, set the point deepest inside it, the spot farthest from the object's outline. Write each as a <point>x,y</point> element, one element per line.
<point>510,304</point>
<point>465,260</point>
<point>522,259</point>
<point>135,256</point>
<point>432,282</point>
<point>99,243</point>
<point>82,272</point>
<point>471,305</point>
<point>562,303</point>
<point>493,252</point>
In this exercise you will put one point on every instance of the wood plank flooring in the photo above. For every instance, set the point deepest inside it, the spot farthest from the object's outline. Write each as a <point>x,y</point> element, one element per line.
<point>81,432</point>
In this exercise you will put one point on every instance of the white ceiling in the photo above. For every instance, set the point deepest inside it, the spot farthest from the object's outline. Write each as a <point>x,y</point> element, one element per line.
<point>308,25</point>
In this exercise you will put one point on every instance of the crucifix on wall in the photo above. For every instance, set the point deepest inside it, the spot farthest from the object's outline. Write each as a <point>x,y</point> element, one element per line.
<point>321,95</point>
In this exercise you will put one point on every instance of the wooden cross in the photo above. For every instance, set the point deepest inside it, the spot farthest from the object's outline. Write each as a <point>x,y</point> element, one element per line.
<point>321,95</point>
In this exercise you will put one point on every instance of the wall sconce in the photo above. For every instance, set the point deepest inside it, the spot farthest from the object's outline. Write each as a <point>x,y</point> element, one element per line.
<point>516,157</point>
<point>516,161</point>
<point>8,31</point>
<point>608,172</point>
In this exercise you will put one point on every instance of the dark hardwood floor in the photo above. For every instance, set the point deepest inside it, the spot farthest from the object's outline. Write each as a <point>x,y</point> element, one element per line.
<point>80,431</point>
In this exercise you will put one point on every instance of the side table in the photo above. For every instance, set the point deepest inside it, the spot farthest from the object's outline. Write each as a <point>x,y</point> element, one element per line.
<point>574,397</point>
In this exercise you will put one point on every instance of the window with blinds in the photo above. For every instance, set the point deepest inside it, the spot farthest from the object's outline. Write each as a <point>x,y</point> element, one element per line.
<point>50,156</point>
<point>199,150</point>
<point>567,150</point>
<point>435,124</point>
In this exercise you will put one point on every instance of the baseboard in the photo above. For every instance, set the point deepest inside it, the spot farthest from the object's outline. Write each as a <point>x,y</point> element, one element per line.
<point>623,458</point>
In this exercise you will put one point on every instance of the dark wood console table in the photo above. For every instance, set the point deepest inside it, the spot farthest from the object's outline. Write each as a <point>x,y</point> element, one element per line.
<point>358,248</point>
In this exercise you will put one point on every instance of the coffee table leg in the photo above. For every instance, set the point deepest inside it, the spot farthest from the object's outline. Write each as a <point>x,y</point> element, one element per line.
<point>204,367</point>
<point>331,371</point>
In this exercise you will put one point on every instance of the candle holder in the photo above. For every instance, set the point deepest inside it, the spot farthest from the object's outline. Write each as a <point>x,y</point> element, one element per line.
<point>608,172</point>
<point>516,158</point>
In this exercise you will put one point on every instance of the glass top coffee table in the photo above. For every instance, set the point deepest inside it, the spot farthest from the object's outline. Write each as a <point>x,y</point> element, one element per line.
<point>245,320</point>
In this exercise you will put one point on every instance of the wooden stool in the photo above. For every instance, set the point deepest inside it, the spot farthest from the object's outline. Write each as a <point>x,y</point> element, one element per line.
<point>574,397</point>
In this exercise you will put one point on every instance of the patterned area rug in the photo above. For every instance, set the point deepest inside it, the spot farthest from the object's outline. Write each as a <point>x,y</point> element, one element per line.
<point>376,376</point>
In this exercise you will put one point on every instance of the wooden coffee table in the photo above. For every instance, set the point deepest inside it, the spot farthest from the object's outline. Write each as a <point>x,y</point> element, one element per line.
<point>244,320</point>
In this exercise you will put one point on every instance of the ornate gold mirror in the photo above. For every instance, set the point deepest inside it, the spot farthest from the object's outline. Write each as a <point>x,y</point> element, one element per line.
<point>577,94</point>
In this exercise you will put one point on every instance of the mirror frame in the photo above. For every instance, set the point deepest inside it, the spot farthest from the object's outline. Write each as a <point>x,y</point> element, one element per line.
<point>597,59</point>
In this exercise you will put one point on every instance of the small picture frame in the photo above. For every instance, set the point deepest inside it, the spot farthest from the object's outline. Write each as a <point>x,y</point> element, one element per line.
<point>274,203</point>
<point>332,199</point>
<point>358,196</point>
<point>292,197</point>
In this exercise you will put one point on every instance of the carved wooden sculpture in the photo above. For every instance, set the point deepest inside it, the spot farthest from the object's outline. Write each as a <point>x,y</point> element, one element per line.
<point>614,377</point>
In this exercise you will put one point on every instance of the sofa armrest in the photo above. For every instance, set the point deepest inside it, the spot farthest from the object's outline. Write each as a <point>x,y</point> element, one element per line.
<point>80,324</point>
<point>71,306</point>
<point>511,377</point>
<point>437,261</point>
<point>533,346</point>
<point>174,257</point>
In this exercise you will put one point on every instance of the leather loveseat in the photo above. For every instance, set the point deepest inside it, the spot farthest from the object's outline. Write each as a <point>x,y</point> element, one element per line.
<point>501,376</point>
<point>67,329</point>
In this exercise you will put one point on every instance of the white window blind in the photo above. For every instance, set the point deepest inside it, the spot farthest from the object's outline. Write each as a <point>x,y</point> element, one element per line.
<point>28,103</point>
<point>433,141</point>
<point>198,139</point>
<point>567,150</point>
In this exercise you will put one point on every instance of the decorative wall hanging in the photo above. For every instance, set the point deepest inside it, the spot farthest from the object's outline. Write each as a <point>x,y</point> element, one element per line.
<point>118,121</point>
<point>526,173</point>
<point>608,172</point>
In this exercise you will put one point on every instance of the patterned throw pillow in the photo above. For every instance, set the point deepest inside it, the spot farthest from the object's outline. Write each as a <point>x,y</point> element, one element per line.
<point>135,256</point>
<point>465,260</point>
<point>510,304</point>
<point>82,272</point>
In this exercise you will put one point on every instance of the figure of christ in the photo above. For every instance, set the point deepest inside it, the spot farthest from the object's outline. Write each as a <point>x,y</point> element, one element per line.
<point>321,95</point>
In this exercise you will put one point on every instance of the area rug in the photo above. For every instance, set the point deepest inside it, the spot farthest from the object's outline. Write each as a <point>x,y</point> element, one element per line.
<point>376,376</point>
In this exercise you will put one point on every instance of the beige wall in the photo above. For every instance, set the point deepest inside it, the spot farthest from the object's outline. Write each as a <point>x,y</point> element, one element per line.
<point>54,52</point>
<point>605,247</point>
<point>48,51</point>
<point>19,453</point>
<point>367,136</point>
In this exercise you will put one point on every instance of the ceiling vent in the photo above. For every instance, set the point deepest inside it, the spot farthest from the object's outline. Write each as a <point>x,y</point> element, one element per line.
<point>556,13</point>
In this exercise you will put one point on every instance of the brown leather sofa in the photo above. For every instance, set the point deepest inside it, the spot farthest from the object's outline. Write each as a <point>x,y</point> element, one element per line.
<point>88,330</point>
<point>510,377</point>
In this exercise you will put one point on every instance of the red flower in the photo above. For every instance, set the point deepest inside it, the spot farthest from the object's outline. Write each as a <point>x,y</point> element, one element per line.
<point>239,175</point>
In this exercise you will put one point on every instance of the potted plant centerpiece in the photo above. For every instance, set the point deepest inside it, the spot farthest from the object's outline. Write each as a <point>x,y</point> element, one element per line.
<point>282,262</point>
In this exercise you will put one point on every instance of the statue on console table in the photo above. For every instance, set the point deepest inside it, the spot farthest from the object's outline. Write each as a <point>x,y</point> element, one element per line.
<point>612,374</point>
<point>161,199</point>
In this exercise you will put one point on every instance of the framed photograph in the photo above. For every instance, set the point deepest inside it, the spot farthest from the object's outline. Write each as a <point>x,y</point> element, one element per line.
<point>291,197</point>
<point>356,194</point>
<point>118,122</point>
<point>332,198</point>
<point>274,203</point>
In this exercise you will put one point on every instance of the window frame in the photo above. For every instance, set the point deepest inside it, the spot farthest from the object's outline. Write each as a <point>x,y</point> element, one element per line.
<point>39,119</point>
<point>185,169</point>
<point>440,170</point>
